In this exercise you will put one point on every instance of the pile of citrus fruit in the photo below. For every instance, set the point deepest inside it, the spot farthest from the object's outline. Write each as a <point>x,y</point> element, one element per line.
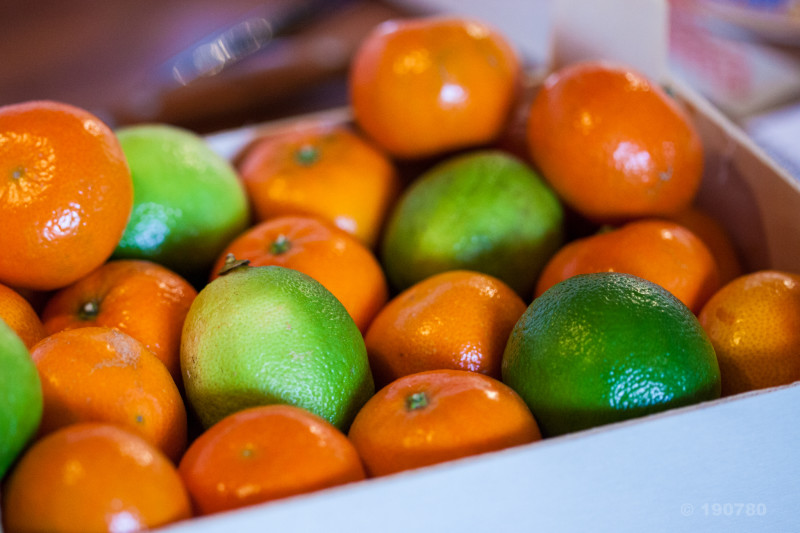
<point>182,335</point>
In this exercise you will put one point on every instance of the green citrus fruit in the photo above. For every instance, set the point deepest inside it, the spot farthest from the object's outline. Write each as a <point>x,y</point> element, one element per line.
<point>188,202</point>
<point>485,211</point>
<point>20,397</point>
<point>600,348</point>
<point>264,335</point>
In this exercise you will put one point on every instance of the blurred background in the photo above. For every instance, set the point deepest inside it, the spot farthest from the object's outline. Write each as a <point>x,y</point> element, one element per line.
<point>210,65</point>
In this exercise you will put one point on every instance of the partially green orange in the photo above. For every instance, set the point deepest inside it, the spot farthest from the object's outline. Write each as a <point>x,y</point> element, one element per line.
<point>265,335</point>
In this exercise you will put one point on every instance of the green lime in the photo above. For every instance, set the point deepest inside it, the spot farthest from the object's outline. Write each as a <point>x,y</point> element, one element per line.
<point>20,397</point>
<point>485,211</point>
<point>600,348</point>
<point>264,335</point>
<point>188,202</point>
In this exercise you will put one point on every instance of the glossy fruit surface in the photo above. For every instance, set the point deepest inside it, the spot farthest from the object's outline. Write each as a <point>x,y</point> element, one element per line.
<point>613,144</point>
<point>424,86</point>
<point>484,211</point>
<point>328,172</point>
<point>188,201</point>
<point>98,374</point>
<point>440,415</point>
<point>458,320</point>
<point>20,397</point>
<point>605,347</point>
<point>143,299</point>
<point>20,316</point>
<point>657,250</point>
<point>754,324</point>
<point>266,335</point>
<point>93,477</point>
<point>65,194</point>
<point>338,260</point>
<point>266,453</point>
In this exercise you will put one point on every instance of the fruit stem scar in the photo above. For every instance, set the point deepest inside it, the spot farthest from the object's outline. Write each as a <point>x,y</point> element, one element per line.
<point>307,154</point>
<point>231,264</point>
<point>18,172</point>
<point>418,400</point>
<point>280,245</point>
<point>89,310</point>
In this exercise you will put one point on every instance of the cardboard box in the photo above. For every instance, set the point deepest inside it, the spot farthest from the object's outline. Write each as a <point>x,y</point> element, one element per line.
<point>727,465</point>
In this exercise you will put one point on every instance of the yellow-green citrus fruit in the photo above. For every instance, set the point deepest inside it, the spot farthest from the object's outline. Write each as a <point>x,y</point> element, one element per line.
<point>485,211</point>
<point>265,335</point>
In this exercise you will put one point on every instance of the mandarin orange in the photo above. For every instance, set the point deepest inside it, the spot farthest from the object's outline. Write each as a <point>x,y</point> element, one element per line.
<point>93,477</point>
<point>65,194</point>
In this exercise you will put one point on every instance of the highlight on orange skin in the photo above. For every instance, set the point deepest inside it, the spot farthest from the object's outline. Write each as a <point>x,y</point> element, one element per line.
<point>657,250</point>
<point>98,374</point>
<point>423,86</point>
<point>613,144</point>
<point>93,477</point>
<point>441,415</point>
<point>266,453</point>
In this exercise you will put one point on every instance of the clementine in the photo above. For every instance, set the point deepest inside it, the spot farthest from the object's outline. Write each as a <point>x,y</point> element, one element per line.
<point>103,375</point>
<point>754,325</point>
<point>339,261</point>
<point>20,316</point>
<point>143,299</point>
<point>265,453</point>
<point>439,415</point>
<point>719,241</point>
<point>93,477</point>
<point>423,86</point>
<point>459,320</point>
<point>613,144</point>
<point>327,171</point>
<point>657,250</point>
<point>65,194</point>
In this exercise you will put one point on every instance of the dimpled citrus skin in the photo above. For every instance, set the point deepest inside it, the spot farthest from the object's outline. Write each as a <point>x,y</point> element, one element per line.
<point>754,325</point>
<point>484,211</point>
<point>264,335</point>
<point>188,202</point>
<point>600,348</point>
<point>20,396</point>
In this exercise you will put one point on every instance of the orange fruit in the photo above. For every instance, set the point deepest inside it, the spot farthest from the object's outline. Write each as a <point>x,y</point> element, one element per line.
<point>754,325</point>
<point>20,316</point>
<point>93,477</point>
<point>65,194</point>
<point>333,257</point>
<point>457,320</point>
<point>266,453</point>
<point>427,85</point>
<point>657,250</point>
<point>436,416</point>
<point>716,237</point>
<point>613,144</point>
<point>328,172</point>
<point>143,299</point>
<point>100,374</point>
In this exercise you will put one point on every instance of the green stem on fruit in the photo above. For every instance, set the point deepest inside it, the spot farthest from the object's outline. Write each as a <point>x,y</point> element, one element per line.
<point>418,400</point>
<point>231,264</point>
<point>306,155</point>
<point>89,310</point>
<point>280,245</point>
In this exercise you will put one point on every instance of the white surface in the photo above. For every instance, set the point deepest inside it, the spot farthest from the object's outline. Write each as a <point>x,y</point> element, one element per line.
<point>668,472</point>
